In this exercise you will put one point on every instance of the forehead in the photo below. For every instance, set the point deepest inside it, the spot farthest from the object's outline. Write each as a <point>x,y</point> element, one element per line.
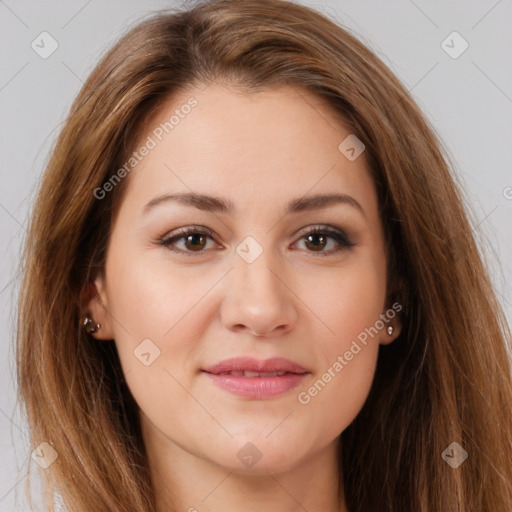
<point>273,145</point>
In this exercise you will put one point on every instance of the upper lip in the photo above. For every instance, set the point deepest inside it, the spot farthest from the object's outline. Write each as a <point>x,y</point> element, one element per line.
<point>240,364</point>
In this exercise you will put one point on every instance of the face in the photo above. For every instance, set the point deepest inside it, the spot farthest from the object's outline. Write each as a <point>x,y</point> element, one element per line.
<point>264,272</point>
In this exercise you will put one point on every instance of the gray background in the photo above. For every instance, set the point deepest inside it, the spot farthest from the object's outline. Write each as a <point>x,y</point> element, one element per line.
<point>468,100</point>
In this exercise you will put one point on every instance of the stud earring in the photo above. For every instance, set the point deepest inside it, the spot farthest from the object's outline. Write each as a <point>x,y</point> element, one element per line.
<point>88,325</point>
<point>390,330</point>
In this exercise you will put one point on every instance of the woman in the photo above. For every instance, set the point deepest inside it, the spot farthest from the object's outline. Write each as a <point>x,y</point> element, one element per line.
<point>251,282</point>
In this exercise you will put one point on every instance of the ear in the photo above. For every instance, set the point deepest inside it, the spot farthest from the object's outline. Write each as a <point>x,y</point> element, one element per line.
<point>395,298</point>
<point>395,322</point>
<point>386,338</point>
<point>94,303</point>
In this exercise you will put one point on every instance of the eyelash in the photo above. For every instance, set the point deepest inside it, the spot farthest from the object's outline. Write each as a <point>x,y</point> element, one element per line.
<point>340,237</point>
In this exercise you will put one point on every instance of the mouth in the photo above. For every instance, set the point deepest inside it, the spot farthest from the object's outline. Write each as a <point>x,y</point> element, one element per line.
<point>254,379</point>
<point>254,374</point>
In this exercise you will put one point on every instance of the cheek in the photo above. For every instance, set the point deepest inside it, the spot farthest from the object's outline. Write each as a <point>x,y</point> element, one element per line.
<point>349,305</point>
<point>346,300</point>
<point>149,297</point>
<point>334,397</point>
<point>154,308</point>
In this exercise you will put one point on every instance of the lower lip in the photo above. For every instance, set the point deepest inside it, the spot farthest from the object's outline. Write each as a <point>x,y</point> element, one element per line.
<point>257,387</point>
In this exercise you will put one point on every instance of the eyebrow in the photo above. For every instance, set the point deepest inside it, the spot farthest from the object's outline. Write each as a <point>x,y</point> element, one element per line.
<point>220,205</point>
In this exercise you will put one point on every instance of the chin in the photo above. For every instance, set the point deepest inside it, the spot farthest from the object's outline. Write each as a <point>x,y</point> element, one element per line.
<point>253,455</point>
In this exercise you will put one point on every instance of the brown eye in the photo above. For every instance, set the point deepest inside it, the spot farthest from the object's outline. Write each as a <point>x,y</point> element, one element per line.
<point>318,238</point>
<point>195,240</point>
<point>316,241</point>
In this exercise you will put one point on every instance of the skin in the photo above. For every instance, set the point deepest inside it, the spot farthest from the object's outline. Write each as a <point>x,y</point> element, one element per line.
<point>260,151</point>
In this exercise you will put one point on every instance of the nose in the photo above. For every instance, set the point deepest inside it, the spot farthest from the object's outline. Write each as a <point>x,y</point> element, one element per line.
<point>259,300</point>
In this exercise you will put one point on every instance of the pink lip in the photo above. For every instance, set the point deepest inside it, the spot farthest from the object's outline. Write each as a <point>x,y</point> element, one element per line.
<point>240,364</point>
<point>256,387</point>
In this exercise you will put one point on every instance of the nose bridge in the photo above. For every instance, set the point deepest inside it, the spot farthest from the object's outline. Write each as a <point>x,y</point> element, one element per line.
<point>256,270</point>
<point>257,296</point>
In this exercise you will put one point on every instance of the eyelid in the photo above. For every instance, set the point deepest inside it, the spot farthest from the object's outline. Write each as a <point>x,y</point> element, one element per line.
<point>326,229</point>
<point>337,234</point>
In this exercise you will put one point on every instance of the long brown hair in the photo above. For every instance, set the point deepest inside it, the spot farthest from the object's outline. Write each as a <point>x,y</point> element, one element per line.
<point>447,378</point>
